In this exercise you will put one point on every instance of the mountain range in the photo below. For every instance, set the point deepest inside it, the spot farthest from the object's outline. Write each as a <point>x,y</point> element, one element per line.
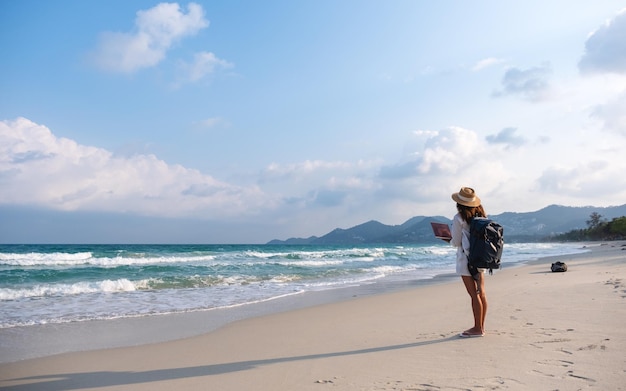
<point>518,227</point>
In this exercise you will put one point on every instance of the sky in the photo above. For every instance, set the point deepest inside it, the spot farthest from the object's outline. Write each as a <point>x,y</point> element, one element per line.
<point>246,121</point>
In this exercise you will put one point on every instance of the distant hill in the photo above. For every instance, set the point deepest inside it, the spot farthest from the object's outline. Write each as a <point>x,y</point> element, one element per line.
<point>518,227</point>
<point>553,220</point>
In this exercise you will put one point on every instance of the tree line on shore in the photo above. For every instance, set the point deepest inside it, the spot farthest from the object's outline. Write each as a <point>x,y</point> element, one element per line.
<point>598,228</point>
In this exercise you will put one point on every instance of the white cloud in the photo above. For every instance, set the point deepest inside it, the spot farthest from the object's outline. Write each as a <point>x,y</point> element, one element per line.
<point>314,183</point>
<point>486,63</point>
<point>605,49</point>
<point>443,152</point>
<point>529,84</point>
<point>40,169</point>
<point>448,159</point>
<point>204,63</point>
<point>605,55</point>
<point>305,170</point>
<point>593,179</point>
<point>37,168</point>
<point>155,31</point>
<point>425,133</point>
<point>612,114</point>
<point>507,137</point>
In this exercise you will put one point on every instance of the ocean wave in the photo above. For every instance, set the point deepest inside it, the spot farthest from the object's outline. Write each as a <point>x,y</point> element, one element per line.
<point>57,318</point>
<point>317,263</point>
<point>523,252</point>
<point>50,259</point>
<point>149,284</point>
<point>87,259</point>
<point>73,283</point>
<point>316,254</point>
<point>304,258</point>
<point>43,290</point>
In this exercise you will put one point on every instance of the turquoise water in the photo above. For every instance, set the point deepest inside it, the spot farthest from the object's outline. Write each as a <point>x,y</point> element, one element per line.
<point>41,284</point>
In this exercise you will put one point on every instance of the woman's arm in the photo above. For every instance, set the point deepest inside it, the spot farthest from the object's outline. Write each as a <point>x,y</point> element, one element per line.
<point>457,231</point>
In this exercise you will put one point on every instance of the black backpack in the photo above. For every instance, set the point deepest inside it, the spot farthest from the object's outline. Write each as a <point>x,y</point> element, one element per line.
<point>486,243</point>
<point>558,266</point>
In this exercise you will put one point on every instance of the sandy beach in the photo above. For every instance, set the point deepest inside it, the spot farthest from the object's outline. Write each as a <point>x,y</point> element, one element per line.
<point>545,331</point>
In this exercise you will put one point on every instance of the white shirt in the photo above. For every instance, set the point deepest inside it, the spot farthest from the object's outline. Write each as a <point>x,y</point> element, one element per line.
<point>460,240</point>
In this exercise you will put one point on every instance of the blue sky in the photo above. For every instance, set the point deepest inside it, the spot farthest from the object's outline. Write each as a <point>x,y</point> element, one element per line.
<point>246,121</point>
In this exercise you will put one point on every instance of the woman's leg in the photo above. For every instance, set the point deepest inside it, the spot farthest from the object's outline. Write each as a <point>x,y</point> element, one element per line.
<point>482,296</point>
<point>477,303</point>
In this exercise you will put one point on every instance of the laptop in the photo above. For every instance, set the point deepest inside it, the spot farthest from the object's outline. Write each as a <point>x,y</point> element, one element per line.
<point>441,230</point>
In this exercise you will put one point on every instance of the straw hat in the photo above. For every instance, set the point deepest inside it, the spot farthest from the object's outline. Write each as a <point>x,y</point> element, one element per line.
<point>466,196</point>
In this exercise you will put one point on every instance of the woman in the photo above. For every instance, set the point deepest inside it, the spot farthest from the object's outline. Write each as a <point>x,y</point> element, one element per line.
<point>468,206</point>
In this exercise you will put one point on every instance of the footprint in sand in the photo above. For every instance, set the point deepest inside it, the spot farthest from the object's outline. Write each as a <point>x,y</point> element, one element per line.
<point>592,346</point>
<point>571,374</point>
<point>559,363</point>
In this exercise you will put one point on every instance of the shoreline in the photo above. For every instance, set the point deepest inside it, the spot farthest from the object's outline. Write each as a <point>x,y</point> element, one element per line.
<point>36,341</point>
<point>378,340</point>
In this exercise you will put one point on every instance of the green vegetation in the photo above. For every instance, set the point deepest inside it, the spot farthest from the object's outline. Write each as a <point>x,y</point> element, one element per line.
<point>597,229</point>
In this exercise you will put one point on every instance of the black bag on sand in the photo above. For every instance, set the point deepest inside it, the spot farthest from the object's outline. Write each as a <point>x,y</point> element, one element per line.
<point>559,267</point>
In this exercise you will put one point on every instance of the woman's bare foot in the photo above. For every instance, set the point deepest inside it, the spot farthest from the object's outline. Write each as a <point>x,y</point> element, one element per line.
<point>473,332</point>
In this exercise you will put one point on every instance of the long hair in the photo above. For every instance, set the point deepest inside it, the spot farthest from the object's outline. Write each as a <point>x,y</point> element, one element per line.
<point>469,212</point>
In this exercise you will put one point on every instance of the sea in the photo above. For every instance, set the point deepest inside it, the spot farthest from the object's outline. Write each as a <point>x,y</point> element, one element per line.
<point>59,284</point>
